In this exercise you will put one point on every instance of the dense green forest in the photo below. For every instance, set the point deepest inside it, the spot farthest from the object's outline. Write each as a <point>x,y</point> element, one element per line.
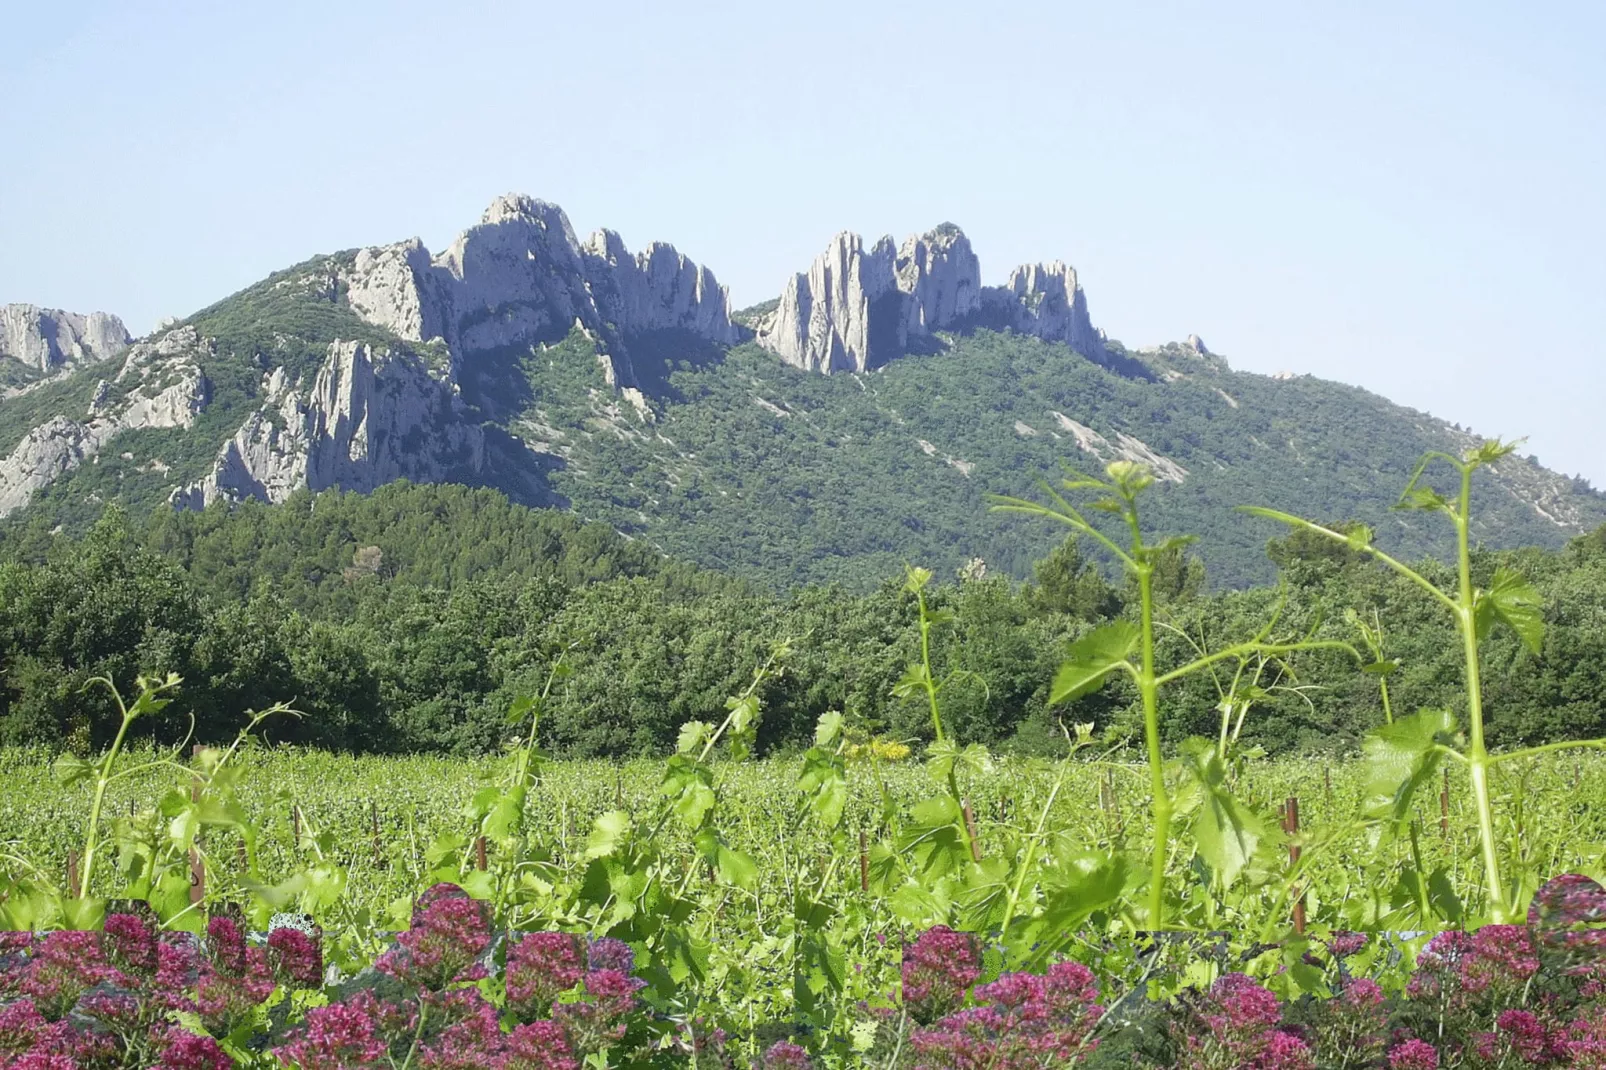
<point>410,618</point>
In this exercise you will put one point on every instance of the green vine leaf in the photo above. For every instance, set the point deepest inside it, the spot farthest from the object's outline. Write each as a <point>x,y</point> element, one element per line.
<point>1092,658</point>
<point>1400,758</point>
<point>1512,601</point>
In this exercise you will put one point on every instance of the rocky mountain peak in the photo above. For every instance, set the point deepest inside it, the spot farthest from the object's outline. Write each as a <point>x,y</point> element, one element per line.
<point>520,278</point>
<point>855,309</point>
<point>46,339</point>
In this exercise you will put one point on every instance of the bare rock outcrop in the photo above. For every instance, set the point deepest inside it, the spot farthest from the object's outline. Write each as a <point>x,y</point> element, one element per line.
<point>857,308</point>
<point>1045,301</point>
<point>369,417</point>
<point>159,385</point>
<point>46,339</point>
<point>520,277</point>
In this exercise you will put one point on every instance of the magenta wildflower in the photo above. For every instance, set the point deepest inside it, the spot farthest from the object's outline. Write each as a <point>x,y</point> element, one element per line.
<point>64,966</point>
<point>607,953</point>
<point>1343,944</point>
<point>784,1055</point>
<point>340,1036</point>
<point>297,958</point>
<point>21,1025</point>
<point>540,968</point>
<point>537,1046</point>
<point>1021,1021</point>
<point>449,934</point>
<point>1413,1055</point>
<point>938,968</point>
<point>472,1039</point>
<point>599,1020</point>
<point>183,1050</point>
<point>130,944</point>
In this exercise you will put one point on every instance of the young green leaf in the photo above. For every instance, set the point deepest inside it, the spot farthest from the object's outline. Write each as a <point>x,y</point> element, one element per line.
<point>1513,601</point>
<point>608,833</point>
<point>1400,758</point>
<point>1092,658</point>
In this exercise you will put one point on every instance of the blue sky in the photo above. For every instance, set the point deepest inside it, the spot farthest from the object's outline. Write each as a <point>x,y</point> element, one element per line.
<point>1406,196</point>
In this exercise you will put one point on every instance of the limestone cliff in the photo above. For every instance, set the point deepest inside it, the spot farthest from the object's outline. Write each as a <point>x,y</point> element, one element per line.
<point>855,309</point>
<point>1044,301</point>
<point>160,384</point>
<point>519,277</point>
<point>46,339</point>
<point>369,417</point>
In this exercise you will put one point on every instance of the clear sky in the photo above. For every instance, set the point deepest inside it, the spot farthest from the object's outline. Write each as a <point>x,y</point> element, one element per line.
<point>1410,196</point>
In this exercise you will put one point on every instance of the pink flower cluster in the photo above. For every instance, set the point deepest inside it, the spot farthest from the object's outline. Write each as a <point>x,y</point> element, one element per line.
<point>570,999</point>
<point>1021,1021</point>
<point>938,969</point>
<point>109,999</point>
<point>1237,1026</point>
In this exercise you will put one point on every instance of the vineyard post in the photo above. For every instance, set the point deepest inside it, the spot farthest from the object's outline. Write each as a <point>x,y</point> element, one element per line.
<point>479,853</point>
<point>1291,826</point>
<point>295,823</point>
<point>72,869</point>
<point>864,862</point>
<point>970,827</point>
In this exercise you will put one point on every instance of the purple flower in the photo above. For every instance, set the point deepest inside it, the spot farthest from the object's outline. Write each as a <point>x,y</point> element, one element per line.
<point>297,958</point>
<point>599,1021</point>
<point>21,1025</point>
<point>938,968</point>
<point>1414,1055</point>
<point>783,1055</point>
<point>182,1050</point>
<point>340,1036</point>
<point>449,934</point>
<point>1343,944</point>
<point>226,945</point>
<point>540,968</point>
<point>537,1046</point>
<point>64,966</point>
<point>130,944</point>
<point>1284,1051</point>
<point>1021,1021</point>
<point>607,953</point>
<point>471,1039</point>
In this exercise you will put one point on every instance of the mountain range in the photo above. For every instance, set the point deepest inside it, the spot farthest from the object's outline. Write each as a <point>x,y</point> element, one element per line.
<point>855,423</point>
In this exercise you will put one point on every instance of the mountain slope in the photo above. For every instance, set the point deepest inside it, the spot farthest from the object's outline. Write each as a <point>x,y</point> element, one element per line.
<point>621,386</point>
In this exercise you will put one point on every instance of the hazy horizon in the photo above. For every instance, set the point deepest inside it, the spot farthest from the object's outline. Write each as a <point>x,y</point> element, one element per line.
<point>1404,200</point>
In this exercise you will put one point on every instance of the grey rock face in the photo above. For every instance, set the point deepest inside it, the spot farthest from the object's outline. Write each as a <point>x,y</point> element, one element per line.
<point>46,339</point>
<point>160,385</point>
<point>656,289</point>
<point>368,417</point>
<point>519,277</point>
<point>855,309</point>
<point>1045,301</point>
<point>1196,344</point>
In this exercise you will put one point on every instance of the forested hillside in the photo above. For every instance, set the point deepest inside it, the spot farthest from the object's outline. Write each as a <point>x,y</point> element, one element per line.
<point>409,619</point>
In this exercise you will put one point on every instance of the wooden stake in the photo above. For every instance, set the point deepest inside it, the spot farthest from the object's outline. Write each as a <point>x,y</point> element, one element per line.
<point>72,874</point>
<point>479,853</point>
<point>1291,826</point>
<point>970,826</point>
<point>864,862</point>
